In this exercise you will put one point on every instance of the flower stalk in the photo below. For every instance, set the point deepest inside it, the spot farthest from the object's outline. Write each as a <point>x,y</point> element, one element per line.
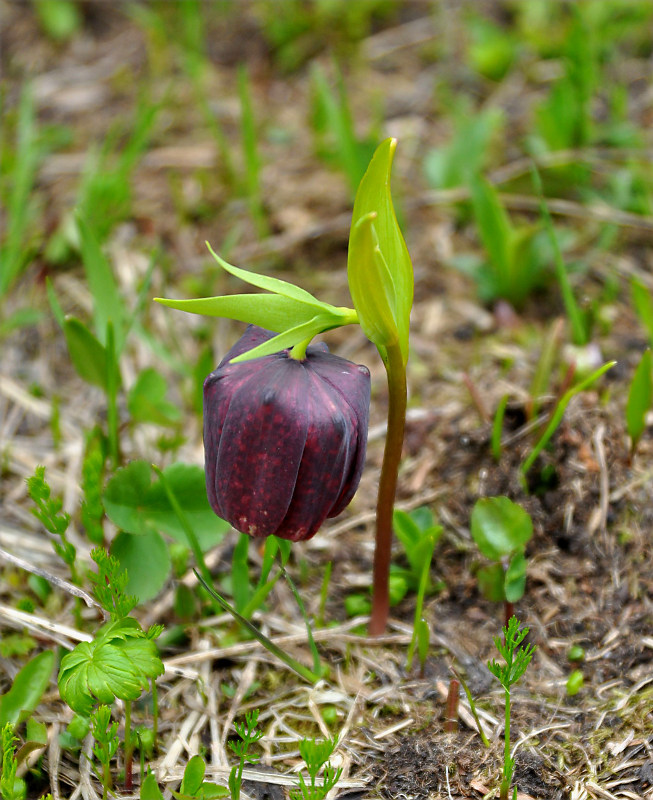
<point>397,399</point>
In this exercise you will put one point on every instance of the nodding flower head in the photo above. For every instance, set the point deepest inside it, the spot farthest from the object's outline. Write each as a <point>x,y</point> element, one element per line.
<point>284,438</point>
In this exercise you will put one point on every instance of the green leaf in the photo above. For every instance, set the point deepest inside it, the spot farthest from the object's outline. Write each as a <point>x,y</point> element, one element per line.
<point>643,302</point>
<point>406,529</point>
<point>515,579</point>
<point>137,506</point>
<point>466,154</point>
<point>118,663</point>
<point>27,689</point>
<point>150,789</point>
<point>640,396</point>
<point>559,413</point>
<point>271,311</point>
<point>193,776</point>
<point>494,229</point>
<point>291,337</point>
<point>108,306</point>
<point>376,248</point>
<point>125,497</point>
<point>134,551</point>
<point>266,282</point>
<point>146,400</point>
<point>500,527</point>
<point>87,354</point>
<point>371,284</point>
<point>491,582</point>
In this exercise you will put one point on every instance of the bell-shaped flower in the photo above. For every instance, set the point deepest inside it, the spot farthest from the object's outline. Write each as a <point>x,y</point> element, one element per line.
<point>284,438</point>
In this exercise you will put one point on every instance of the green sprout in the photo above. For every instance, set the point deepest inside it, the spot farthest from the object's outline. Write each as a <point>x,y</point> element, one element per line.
<point>516,660</point>
<point>316,755</point>
<point>248,735</point>
<point>105,734</point>
<point>49,512</point>
<point>501,530</point>
<point>11,787</point>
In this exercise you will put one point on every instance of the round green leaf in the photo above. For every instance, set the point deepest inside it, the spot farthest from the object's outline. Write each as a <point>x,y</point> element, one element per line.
<point>125,497</point>
<point>515,581</point>
<point>147,561</point>
<point>500,527</point>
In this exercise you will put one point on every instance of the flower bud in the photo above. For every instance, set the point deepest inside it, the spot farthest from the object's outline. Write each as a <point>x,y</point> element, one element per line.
<point>284,438</point>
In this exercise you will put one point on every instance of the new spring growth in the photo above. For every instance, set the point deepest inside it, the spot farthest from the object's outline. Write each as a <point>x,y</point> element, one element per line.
<point>517,659</point>
<point>380,279</point>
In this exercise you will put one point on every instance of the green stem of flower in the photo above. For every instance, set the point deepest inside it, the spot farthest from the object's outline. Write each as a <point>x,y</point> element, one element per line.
<point>299,350</point>
<point>397,398</point>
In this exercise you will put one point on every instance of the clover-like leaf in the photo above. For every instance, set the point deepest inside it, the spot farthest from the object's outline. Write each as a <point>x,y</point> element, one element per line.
<point>118,663</point>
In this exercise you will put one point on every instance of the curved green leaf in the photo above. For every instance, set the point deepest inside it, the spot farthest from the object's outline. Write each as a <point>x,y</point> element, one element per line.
<point>272,311</point>
<point>291,337</point>
<point>364,269</point>
<point>266,282</point>
<point>27,689</point>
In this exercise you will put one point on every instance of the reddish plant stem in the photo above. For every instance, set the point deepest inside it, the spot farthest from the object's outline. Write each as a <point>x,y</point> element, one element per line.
<point>397,398</point>
<point>451,719</point>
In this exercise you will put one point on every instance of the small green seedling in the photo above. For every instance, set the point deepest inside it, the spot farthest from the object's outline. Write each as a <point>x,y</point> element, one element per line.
<point>575,682</point>
<point>418,535</point>
<point>194,787</point>
<point>105,735</point>
<point>49,512</point>
<point>516,256</point>
<point>11,787</point>
<point>501,530</point>
<point>248,735</point>
<point>335,134</point>
<point>467,153</point>
<point>517,659</point>
<point>640,397</point>
<point>316,755</point>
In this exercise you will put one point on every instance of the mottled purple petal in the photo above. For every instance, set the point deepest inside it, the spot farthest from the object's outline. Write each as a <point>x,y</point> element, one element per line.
<point>325,462</point>
<point>261,446</point>
<point>352,382</point>
<point>252,337</point>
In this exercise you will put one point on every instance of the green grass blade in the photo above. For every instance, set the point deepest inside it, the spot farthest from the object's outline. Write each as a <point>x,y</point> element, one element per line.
<point>269,645</point>
<point>250,152</point>
<point>497,427</point>
<point>640,396</point>
<point>107,303</point>
<point>643,302</point>
<point>22,180</point>
<point>578,328</point>
<point>317,663</point>
<point>559,413</point>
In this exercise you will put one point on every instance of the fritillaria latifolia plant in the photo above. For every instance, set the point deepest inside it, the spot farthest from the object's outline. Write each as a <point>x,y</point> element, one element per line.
<point>285,422</point>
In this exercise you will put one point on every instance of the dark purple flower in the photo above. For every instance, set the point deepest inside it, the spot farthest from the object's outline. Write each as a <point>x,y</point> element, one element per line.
<point>284,439</point>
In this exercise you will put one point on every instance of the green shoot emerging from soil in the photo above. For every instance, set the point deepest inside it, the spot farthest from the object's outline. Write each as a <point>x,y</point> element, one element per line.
<point>248,736</point>
<point>106,744</point>
<point>316,755</point>
<point>516,659</point>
